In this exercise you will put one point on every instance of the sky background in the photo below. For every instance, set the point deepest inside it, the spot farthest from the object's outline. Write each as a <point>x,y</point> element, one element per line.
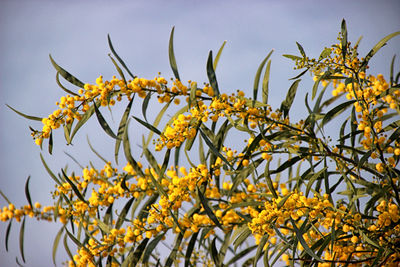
<point>75,34</point>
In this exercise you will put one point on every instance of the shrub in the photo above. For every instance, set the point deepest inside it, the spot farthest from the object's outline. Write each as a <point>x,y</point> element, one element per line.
<point>296,192</point>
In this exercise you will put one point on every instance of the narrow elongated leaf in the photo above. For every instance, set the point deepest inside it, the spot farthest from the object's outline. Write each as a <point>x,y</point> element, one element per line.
<point>325,53</point>
<point>24,115</point>
<point>344,39</point>
<point>211,74</point>
<point>123,213</point>
<point>120,72</point>
<point>62,87</point>
<point>192,96</point>
<point>240,255</point>
<point>287,164</point>
<point>121,128</point>
<point>66,247</point>
<point>260,249</point>
<point>301,50</point>
<point>117,57</point>
<point>376,48</point>
<point>218,55</point>
<point>27,194</point>
<point>83,120</point>
<point>224,247</point>
<point>214,252</point>
<point>94,151</point>
<point>190,248</point>
<point>55,245</point>
<point>213,149</point>
<point>210,213</point>
<point>73,186</point>
<point>50,147</point>
<point>299,236</point>
<point>66,75</point>
<point>172,256</point>
<point>292,57</point>
<point>159,187</point>
<point>150,248</point>
<point>21,239</point>
<point>147,125</point>
<point>287,103</point>
<point>145,105</point>
<point>392,70</point>
<point>258,75</point>
<point>265,84</point>
<point>103,122</point>
<point>171,54</point>
<point>8,234</point>
<point>269,181</point>
<point>336,111</point>
<point>49,171</point>
<point>134,255</point>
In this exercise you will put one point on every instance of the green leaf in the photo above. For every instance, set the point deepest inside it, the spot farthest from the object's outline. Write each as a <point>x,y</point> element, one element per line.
<point>66,75</point>
<point>218,55</point>
<point>117,57</point>
<point>8,234</point>
<point>313,178</point>
<point>55,245</point>
<point>287,103</point>
<point>336,111</point>
<point>211,74</point>
<point>123,213</point>
<point>299,236</point>
<point>301,50</point>
<point>269,181</point>
<point>27,194</point>
<point>392,70</point>
<point>214,252</point>
<point>265,84</point>
<point>213,149</point>
<point>190,248</point>
<point>240,255</point>
<point>67,133</point>
<point>67,249</point>
<point>21,239</point>
<point>376,48</point>
<point>192,96</point>
<point>49,171</point>
<point>150,248</point>
<point>120,72</point>
<point>134,256</point>
<point>147,125</point>
<point>224,247</point>
<point>145,105</point>
<point>103,122</point>
<point>83,120</point>
<point>260,249</point>
<point>171,54</point>
<point>159,187</point>
<point>159,117</point>
<point>50,147</point>
<point>121,128</point>
<point>287,164</point>
<point>292,57</point>
<point>172,256</point>
<point>94,151</point>
<point>244,234</point>
<point>62,87</point>
<point>325,53</point>
<point>344,39</point>
<point>73,186</point>
<point>210,213</point>
<point>258,75</point>
<point>24,115</point>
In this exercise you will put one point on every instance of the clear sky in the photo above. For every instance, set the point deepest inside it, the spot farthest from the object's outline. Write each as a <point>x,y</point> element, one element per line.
<point>75,33</point>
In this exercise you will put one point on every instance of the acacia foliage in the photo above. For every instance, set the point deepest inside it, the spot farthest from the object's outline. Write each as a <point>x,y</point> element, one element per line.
<point>292,193</point>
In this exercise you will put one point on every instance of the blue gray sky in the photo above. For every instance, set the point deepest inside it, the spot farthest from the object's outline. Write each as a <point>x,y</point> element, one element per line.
<point>75,33</point>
